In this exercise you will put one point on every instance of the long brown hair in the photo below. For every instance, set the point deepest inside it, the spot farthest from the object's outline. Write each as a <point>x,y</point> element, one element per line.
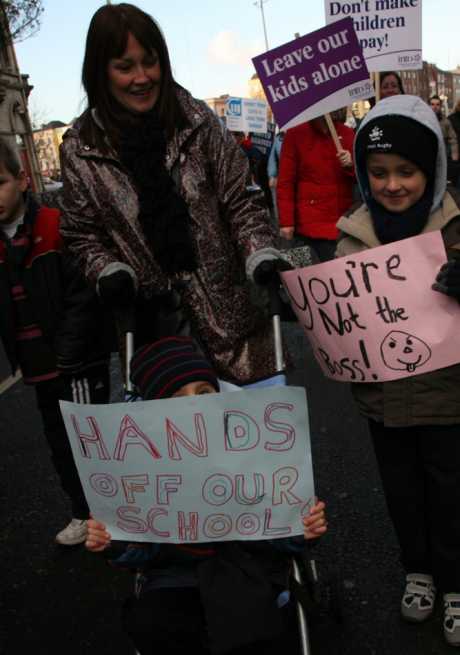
<point>107,39</point>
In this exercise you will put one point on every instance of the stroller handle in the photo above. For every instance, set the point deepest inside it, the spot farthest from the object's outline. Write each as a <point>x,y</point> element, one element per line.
<point>129,352</point>
<point>127,324</point>
<point>274,304</point>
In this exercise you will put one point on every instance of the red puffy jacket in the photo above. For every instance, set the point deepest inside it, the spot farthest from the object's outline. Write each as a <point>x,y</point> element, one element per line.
<point>313,189</point>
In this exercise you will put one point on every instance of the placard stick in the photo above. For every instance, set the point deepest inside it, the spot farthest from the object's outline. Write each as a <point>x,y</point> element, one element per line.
<point>377,85</point>
<point>333,131</point>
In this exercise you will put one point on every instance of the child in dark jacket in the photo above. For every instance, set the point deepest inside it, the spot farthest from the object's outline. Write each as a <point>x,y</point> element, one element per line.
<point>414,422</point>
<point>49,324</point>
<point>212,597</point>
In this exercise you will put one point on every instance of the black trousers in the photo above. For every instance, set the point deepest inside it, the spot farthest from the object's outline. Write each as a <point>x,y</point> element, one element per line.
<point>172,622</point>
<point>91,387</point>
<point>420,471</point>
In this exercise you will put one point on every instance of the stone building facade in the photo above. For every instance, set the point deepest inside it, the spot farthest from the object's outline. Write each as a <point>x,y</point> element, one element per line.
<point>14,116</point>
<point>47,141</point>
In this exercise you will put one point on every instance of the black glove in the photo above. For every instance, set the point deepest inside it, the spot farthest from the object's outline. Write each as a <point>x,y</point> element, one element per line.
<point>263,266</point>
<point>448,279</point>
<point>266,272</point>
<point>117,290</point>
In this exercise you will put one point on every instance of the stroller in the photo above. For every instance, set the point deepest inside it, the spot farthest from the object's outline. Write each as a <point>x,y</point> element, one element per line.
<point>304,578</point>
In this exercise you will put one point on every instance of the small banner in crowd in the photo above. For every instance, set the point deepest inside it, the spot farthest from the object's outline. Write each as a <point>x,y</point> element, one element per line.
<point>389,31</point>
<point>314,74</point>
<point>264,141</point>
<point>216,467</point>
<point>246,115</point>
<point>373,316</point>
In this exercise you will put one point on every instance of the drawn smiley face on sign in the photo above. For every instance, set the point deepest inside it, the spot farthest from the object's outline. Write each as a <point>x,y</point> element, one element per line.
<point>402,351</point>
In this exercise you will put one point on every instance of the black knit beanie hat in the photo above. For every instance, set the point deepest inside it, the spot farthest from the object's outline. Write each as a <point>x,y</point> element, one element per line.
<point>160,369</point>
<point>398,135</point>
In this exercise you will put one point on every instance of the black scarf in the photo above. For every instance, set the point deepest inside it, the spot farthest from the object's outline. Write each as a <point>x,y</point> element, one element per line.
<point>393,226</point>
<point>163,213</point>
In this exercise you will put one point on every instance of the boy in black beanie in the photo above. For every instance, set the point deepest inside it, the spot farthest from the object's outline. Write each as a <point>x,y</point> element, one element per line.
<point>184,586</point>
<point>414,422</point>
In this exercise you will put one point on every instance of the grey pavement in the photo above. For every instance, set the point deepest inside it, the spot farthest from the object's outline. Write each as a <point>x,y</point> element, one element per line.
<point>54,600</point>
<point>67,601</point>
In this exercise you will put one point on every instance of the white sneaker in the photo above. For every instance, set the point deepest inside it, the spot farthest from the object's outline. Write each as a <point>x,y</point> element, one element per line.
<point>74,533</point>
<point>452,619</point>
<point>418,599</point>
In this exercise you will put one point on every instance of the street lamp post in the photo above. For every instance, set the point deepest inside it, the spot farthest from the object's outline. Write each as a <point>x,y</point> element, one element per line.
<point>260,5</point>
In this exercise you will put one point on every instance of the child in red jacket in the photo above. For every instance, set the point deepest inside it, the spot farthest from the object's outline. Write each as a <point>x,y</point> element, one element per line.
<point>315,184</point>
<point>49,324</point>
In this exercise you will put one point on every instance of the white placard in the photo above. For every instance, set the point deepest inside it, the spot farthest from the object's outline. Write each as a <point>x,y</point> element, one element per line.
<point>246,115</point>
<point>389,31</point>
<point>216,467</point>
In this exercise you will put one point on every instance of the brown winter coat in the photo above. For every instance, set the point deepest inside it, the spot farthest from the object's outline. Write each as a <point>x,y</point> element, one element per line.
<point>228,222</point>
<point>426,399</point>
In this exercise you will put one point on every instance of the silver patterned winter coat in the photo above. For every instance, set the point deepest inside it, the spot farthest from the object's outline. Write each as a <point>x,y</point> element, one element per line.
<point>228,221</point>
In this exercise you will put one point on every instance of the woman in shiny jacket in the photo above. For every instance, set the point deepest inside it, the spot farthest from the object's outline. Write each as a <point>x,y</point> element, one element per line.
<point>156,199</point>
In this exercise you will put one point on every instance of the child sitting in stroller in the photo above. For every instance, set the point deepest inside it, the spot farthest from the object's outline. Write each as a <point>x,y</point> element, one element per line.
<point>212,597</point>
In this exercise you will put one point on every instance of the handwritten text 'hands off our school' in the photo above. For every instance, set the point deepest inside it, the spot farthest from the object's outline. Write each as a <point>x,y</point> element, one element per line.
<point>270,430</point>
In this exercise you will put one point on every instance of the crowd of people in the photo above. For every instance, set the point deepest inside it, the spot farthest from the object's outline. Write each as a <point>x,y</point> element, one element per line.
<point>164,224</point>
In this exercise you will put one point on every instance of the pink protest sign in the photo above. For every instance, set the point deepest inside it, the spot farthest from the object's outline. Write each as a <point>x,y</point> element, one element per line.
<point>314,74</point>
<point>373,316</point>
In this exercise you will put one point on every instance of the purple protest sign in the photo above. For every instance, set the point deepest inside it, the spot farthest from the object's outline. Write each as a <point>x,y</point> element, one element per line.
<point>315,74</point>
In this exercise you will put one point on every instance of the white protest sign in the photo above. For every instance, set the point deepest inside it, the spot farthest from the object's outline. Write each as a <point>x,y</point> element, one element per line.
<point>389,31</point>
<point>216,467</point>
<point>246,115</point>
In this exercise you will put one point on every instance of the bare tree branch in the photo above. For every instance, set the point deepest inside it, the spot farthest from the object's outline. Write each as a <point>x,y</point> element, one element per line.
<point>24,17</point>
<point>39,114</point>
